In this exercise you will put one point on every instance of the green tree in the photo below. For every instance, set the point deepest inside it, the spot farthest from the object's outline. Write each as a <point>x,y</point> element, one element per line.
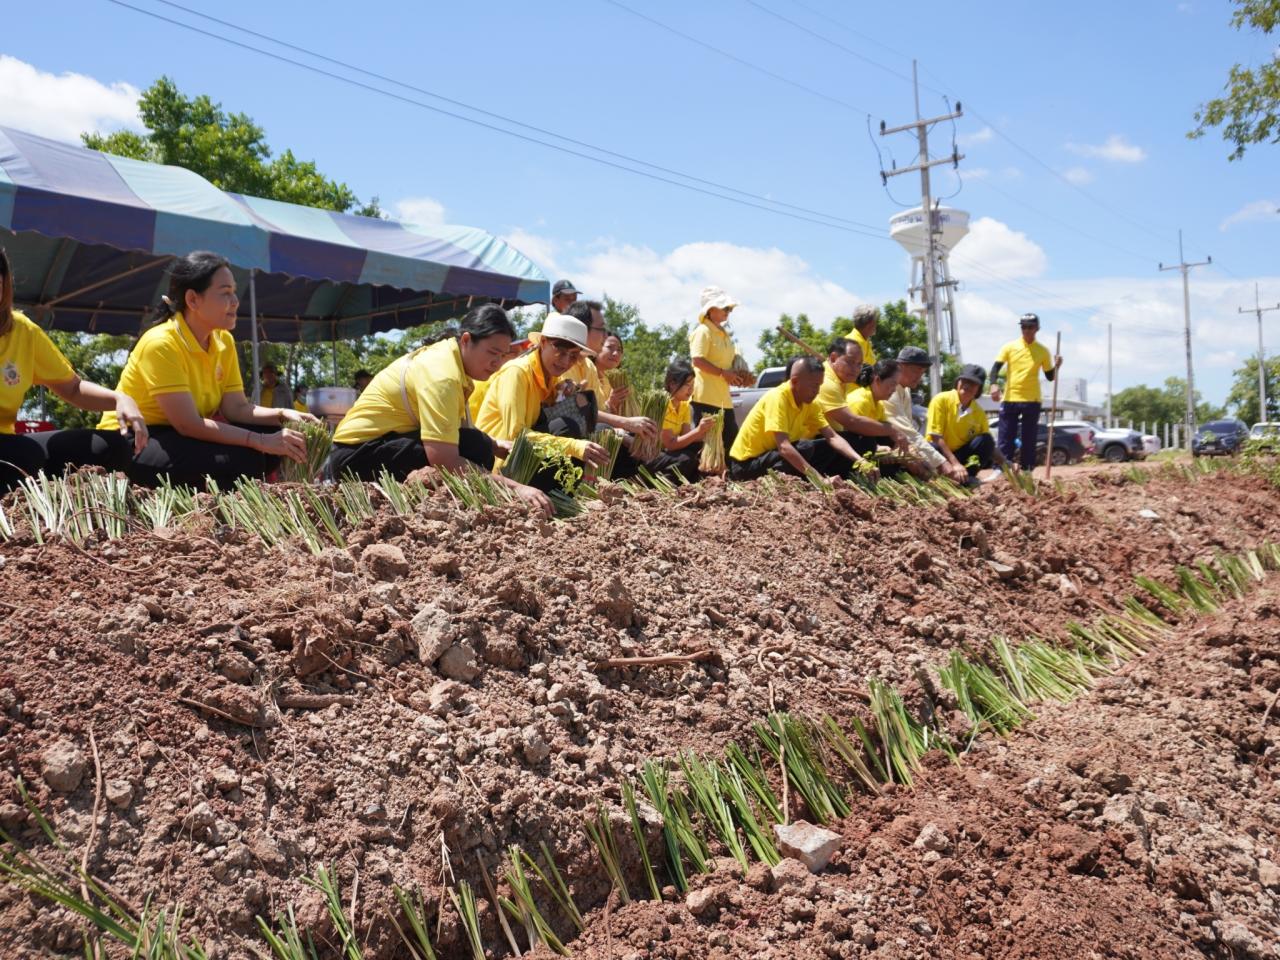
<point>776,350</point>
<point>1243,397</point>
<point>1167,404</point>
<point>1249,112</point>
<point>646,350</point>
<point>227,149</point>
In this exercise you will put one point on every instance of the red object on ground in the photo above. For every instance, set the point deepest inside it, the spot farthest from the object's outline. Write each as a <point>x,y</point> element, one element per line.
<point>33,426</point>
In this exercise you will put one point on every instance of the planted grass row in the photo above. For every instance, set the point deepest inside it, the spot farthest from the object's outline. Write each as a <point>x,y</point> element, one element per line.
<point>707,805</point>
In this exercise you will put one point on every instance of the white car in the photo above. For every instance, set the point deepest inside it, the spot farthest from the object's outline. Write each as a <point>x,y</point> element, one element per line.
<point>1114,444</point>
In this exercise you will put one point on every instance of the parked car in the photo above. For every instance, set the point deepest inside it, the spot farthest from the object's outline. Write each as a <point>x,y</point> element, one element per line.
<point>1219,438</point>
<point>1113,444</point>
<point>1265,437</point>
<point>1086,430</point>
<point>744,398</point>
<point>1151,444</point>
<point>1068,445</point>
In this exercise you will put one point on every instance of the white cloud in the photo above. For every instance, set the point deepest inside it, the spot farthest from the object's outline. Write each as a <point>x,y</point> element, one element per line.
<point>1078,175</point>
<point>542,250</point>
<point>1116,149</point>
<point>978,136</point>
<point>993,246</point>
<point>424,211</point>
<point>1250,212</point>
<point>63,106</point>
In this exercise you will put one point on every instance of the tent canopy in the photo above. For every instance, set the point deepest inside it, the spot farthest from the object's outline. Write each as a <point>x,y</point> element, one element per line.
<point>90,236</point>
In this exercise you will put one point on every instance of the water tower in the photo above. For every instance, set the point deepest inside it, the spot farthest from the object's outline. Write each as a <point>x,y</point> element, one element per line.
<point>950,227</point>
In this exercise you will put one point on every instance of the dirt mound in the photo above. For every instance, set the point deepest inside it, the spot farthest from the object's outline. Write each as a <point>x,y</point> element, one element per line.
<point>440,686</point>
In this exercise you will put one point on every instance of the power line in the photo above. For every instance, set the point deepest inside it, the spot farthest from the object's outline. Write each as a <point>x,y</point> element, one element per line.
<point>809,216</point>
<point>736,59</point>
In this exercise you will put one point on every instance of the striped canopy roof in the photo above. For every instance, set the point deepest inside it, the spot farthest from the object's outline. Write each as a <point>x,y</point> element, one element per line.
<point>90,236</point>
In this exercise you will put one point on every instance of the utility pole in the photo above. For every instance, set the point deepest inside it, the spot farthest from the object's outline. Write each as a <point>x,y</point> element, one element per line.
<point>924,164</point>
<point>1108,374</point>
<point>1186,329</point>
<point>1259,309</point>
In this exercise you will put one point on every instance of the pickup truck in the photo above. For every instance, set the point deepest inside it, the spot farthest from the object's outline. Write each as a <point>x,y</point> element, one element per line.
<point>744,398</point>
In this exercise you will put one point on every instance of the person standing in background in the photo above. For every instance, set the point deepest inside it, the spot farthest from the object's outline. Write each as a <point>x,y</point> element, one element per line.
<point>1020,407</point>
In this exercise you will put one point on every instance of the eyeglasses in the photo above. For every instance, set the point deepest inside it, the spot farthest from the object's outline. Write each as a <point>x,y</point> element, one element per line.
<point>566,348</point>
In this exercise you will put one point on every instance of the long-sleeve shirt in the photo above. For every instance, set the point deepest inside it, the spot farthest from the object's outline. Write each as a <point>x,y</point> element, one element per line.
<point>898,413</point>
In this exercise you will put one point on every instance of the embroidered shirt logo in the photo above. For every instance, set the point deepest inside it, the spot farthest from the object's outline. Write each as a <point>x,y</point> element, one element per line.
<point>10,374</point>
<point>217,373</point>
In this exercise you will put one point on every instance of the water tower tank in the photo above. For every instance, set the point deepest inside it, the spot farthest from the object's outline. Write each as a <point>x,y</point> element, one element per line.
<point>908,229</point>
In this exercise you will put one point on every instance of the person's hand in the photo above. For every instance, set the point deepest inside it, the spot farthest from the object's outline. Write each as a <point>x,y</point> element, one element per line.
<point>1057,362</point>
<point>995,393</point>
<point>501,448</point>
<point>288,415</point>
<point>744,378</point>
<point>956,472</point>
<point>900,441</point>
<point>286,443</point>
<point>566,388</point>
<point>616,398</point>
<point>537,498</point>
<point>595,455</point>
<point>703,428</point>
<point>642,427</point>
<point>129,417</point>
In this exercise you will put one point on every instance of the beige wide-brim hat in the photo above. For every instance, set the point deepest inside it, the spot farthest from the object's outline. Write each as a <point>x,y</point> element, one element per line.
<point>564,327</point>
<point>715,297</point>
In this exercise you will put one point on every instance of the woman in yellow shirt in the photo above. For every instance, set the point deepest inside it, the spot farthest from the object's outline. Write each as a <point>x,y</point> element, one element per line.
<point>28,356</point>
<point>876,383</point>
<point>712,351</point>
<point>185,374</point>
<point>681,441</point>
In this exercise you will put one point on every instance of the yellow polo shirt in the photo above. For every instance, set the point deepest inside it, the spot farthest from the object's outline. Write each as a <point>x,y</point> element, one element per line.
<point>437,387</point>
<point>27,356</point>
<point>776,412</point>
<point>514,403</point>
<point>711,343</point>
<point>676,417</point>
<point>833,394</point>
<point>957,427</point>
<point>1024,361</point>
<point>268,397</point>
<point>868,351</point>
<point>169,359</point>
<point>585,373</point>
<point>863,403</point>
<point>478,390</point>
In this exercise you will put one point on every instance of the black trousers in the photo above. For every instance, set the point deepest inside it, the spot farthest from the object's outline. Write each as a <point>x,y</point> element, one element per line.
<point>819,452</point>
<point>57,451</point>
<point>730,421</point>
<point>400,454</point>
<point>683,461</point>
<point>1019,426</point>
<point>983,447</point>
<point>187,461</point>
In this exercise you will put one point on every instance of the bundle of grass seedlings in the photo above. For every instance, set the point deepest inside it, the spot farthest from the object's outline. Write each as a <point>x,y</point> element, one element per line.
<point>528,458</point>
<point>653,405</point>
<point>612,442</point>
<point>618,381</point>
<point>712,460</point>
<point>319,441</point>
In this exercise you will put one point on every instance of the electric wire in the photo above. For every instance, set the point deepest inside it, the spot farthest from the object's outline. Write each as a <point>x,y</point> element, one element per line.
<point>502,117</point>
<point>834,223</point>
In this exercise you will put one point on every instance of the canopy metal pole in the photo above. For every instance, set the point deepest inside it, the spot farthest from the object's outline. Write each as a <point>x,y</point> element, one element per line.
<point>335,357</point>
<point>253,332</point>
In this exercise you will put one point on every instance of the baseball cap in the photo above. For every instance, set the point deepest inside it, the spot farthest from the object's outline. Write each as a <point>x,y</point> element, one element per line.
<point>971,371</point>
<point>1029,320</point>
<point>564,286</point>
<point>915,356</point>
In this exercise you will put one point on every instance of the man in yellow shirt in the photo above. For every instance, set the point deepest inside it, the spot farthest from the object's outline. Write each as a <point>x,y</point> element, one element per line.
<point>866,319</point>
<point>274,393</point>
<point>1020,409</point>
<point>786,431</point>
<point>958,426</point>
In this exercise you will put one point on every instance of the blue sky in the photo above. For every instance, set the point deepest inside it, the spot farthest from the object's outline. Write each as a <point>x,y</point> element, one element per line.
<point>1077,176</point>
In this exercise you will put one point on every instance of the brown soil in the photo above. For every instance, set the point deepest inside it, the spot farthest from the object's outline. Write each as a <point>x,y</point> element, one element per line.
<point>262,712</point>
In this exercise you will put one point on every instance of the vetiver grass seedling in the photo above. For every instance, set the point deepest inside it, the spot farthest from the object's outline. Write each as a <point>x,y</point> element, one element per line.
<point>600,830</point>
<point>416,940</point>
<point>853,757</point>
<point>464,901</point>
<point>805,769</point>
<point>327,883</point>
<point>703,778</point>
<point>681,838</point>
<point>319,442</point>
<point>286,941</point>
<point>522,906</point>
<point>637,830</point>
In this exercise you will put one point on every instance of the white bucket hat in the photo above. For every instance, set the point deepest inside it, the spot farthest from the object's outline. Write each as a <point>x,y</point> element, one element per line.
<point>715,297</point>
<point>563,327</point>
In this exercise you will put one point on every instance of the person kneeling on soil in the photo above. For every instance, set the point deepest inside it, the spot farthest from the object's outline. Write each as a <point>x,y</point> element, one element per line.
<point>28,356</point>
<point>876,384</point>
<point>912,364</point>
<point>786,431</point>
<point>529,393</point>
<point>414,413</point>
<point>681,442</point>
<point>184,372</point>
<point>958,426</point>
